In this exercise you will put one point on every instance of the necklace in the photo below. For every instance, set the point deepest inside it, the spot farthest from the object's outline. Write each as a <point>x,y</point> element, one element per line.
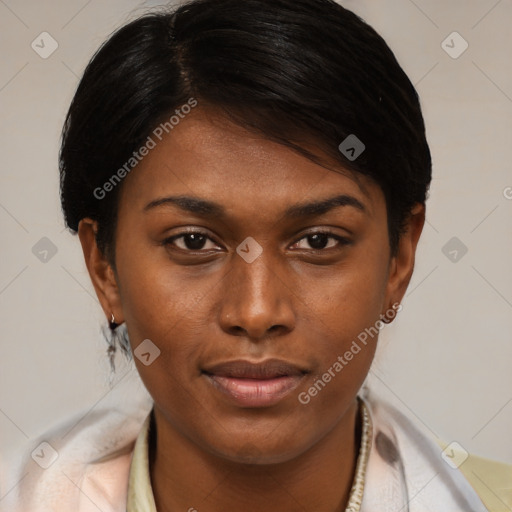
<point>356,492</point>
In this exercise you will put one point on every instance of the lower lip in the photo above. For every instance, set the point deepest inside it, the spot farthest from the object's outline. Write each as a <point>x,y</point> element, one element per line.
<point>255,392</point>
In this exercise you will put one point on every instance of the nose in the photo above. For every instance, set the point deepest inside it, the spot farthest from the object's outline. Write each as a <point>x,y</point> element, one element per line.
<point>257,299</point>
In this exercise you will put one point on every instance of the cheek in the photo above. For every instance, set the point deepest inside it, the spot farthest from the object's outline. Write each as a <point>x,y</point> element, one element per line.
<point>343,321</point>
<point>348,299</point>
<point>158,308</point>
<point>159,304</point>
<point>344,339</point>
<point>155,295</point>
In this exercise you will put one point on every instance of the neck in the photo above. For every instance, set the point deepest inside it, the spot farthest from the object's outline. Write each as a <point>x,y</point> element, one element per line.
<point>186,477</point>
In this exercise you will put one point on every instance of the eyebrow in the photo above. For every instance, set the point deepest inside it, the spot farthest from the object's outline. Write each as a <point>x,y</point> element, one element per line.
<point>209,208</point>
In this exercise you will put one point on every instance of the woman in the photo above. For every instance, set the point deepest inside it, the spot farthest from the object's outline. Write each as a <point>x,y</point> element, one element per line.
<point>248,184</point>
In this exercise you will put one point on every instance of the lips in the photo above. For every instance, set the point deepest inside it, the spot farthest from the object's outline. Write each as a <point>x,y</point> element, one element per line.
<point>241,369</point>
<point>251,384</point>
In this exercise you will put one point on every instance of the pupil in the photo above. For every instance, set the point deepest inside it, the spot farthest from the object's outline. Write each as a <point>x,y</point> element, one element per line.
<point>318,240</point>
<point>194,241</point>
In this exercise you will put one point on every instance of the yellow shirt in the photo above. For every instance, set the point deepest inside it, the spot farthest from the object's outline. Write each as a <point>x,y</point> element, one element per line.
<point>140,493</point>
<point>491,480</point>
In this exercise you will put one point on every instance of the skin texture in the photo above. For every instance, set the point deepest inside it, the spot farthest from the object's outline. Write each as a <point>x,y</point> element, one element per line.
<point>291,303</point>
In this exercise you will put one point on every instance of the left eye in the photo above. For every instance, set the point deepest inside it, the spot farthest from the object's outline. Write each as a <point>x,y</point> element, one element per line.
<point>318,241</point>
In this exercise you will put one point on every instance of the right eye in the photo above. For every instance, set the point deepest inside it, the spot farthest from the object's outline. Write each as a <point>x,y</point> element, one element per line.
<point>191,241</point>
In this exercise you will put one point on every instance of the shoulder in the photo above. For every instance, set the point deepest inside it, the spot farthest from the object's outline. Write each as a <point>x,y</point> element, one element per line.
<point>82,464</point>
<point>468,481</point>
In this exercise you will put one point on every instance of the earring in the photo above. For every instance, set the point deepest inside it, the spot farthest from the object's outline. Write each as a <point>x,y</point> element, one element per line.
<point>111,340</point>
<point>390,313</point>
<point>115,334</point>
<point>112,324</point>
<point>385,319</point>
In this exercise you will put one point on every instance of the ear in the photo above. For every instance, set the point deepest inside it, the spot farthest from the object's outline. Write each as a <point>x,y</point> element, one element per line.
<point>402,264</point>
<point>100,271</point>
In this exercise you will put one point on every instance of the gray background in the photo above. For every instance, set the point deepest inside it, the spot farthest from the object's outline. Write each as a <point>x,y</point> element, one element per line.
<point>446,360</point>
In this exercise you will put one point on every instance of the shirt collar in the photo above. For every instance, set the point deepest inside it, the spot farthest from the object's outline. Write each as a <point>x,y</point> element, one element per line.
<point>140,493</point>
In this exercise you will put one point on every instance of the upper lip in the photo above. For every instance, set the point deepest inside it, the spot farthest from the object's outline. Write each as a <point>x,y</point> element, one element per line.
<point>243,369</point>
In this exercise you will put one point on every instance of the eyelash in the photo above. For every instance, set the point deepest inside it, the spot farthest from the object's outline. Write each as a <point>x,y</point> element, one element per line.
<point>342,241</point>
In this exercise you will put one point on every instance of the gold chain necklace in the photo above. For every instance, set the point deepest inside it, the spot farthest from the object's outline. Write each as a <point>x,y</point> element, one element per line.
<point>356,492</point>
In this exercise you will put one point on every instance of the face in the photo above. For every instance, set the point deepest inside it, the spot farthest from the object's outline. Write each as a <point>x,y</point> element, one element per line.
<point>244,273</point>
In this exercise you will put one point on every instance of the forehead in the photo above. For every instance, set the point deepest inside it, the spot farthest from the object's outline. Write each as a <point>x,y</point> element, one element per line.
<point>206,155</point>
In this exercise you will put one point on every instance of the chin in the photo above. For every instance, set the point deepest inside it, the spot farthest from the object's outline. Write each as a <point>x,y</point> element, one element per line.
<point>258,452</point>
